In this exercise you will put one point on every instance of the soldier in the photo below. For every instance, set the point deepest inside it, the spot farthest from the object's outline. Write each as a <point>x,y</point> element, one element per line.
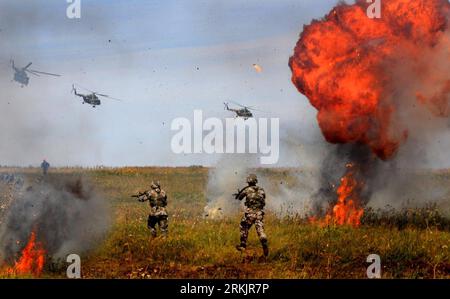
<point>45,166</point>
<point>255,200</point>
<point>158,214</point>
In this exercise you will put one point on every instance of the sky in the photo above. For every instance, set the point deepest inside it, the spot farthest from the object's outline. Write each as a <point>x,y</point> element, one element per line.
<point>164,59</point>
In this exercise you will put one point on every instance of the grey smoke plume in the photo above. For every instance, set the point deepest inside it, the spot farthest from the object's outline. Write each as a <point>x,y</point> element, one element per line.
<point>67,215</point>
<point>228,175</point>
<point>288,195</point>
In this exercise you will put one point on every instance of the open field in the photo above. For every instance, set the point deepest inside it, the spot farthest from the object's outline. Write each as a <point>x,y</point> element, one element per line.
<point>198,247</point>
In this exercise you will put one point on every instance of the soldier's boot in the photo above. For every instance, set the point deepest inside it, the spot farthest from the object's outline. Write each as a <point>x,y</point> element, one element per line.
<point>265,247</point>
<point>241,247</point>
<point>151,224</point>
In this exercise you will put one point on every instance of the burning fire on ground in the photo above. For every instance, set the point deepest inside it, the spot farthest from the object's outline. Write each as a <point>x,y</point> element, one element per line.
<point>352,70</point>
<point>31,261</point>
<point>347,210</point>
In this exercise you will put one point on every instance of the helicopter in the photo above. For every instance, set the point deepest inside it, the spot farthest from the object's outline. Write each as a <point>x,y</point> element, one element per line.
<point>21,74</point>
<point>92,98</point>
<point>243,112</point>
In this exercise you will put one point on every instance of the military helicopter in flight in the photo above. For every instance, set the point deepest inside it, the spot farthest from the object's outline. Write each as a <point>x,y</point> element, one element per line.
<point>92,98</point>
<point>21,74</point>
<point>244,112</point>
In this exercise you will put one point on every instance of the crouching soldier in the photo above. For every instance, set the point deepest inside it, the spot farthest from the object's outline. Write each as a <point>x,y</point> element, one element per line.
<point>255,200</point>
<point>158,214</point>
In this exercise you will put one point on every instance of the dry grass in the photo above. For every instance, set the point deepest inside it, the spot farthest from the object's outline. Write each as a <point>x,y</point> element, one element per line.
<point>202,248</point>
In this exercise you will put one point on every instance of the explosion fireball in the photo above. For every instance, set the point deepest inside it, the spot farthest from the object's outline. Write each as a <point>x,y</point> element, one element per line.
<point>343,65</point>
<point>354,70</point>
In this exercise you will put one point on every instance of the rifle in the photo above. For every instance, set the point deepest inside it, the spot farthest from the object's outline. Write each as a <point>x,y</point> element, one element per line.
<point>236,195</point>
<point>139,195</point>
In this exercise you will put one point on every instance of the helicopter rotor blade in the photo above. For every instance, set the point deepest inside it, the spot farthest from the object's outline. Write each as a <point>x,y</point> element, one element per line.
<point>107,96</point>
<point>248,107</point>
<point>238,104</point>
<point>94,92</point>
<point>256,110</point>
<point>33,73</point>
<point>100,94</point>
<point>28,65</point>
<point>44,73</point>
<point>78,85</point>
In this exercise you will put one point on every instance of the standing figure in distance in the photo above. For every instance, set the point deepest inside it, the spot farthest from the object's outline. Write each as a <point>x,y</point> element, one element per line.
<point>255,201</point>
<point>45,166</point>
<point>158,214</point>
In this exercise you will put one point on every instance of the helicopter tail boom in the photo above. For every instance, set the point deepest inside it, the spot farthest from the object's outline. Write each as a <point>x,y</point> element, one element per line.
<point>13,65</point>
<point>75,91</point>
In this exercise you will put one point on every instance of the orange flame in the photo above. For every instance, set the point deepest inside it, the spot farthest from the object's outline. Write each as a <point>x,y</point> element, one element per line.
<point>32,259</point>
<point>347,210</point>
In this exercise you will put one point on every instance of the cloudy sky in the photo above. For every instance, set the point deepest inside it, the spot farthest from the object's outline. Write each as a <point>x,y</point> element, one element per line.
<point>164,59</point>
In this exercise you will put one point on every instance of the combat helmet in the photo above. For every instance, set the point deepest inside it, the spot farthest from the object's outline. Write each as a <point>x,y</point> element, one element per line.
<point>252,179</point>
<point>155,185</point>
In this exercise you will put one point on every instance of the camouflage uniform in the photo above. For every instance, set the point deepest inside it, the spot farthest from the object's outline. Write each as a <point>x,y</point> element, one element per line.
<point>158,214</point>
<point>255,200</point>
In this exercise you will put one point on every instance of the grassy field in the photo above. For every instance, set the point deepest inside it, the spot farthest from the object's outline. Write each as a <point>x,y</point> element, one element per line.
<point>198,247</point>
